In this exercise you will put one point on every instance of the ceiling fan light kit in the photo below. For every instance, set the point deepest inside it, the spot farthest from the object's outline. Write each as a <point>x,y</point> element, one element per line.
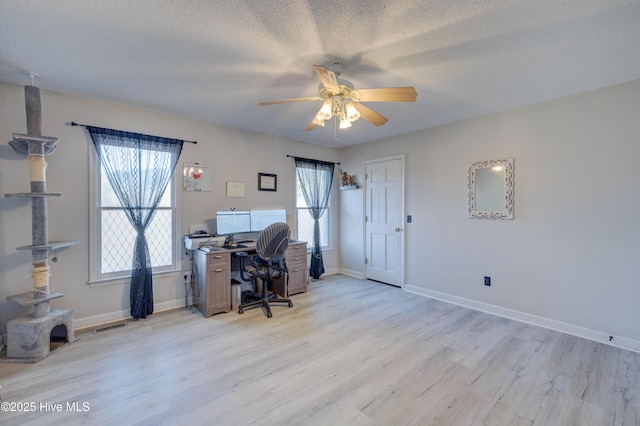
<point>342,102</point>
<point>339,107</point>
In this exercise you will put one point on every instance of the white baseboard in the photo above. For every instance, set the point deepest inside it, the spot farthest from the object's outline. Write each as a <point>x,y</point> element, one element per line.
<point>331,271</point>
<point>354,274</point>
<point>574,330</point>
<point>87,322</point>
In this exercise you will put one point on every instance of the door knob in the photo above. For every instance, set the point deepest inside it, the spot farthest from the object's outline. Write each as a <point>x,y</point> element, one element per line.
<point>397,229</point>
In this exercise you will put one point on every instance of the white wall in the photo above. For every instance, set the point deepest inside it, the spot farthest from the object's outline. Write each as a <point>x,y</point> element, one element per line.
<point>233,155</point>
<point>570,258</point>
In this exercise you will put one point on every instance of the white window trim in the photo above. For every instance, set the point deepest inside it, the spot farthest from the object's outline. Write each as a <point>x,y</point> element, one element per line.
<point>127,280</point>
<point>95,242</point>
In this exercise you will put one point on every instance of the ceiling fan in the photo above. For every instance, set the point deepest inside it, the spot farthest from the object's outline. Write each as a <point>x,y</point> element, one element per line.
<point>342,101</point>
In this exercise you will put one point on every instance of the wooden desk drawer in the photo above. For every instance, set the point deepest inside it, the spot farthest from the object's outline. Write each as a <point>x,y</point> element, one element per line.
<point>297,254</point>
<point>297,249</point>
<point>217,259</point>
<point>297,260</point>
<point>294,269</point>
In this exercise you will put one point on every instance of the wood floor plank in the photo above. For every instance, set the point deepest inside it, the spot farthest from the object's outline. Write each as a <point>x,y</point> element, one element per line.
<point>349,352</point>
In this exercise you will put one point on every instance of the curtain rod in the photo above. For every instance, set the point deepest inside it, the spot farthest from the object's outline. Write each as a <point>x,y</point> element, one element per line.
<point>311,159</point>
<point>73,123</point>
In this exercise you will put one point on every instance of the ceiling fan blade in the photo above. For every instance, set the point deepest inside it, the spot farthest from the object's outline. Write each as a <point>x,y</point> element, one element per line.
<point>385,94</point>
<point>285,101</point>
<point>311,126</point>
<point>370,115</point>
<point>315,123</point>
<point>327,77</point>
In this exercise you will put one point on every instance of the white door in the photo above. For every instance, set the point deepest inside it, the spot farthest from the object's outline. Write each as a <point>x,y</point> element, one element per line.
<point>384,220</point>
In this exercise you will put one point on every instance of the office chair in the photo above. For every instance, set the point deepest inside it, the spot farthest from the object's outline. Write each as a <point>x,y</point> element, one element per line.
<point>268,264</point>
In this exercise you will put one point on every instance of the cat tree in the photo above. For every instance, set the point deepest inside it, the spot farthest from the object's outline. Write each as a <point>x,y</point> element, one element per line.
<point>29,337</point>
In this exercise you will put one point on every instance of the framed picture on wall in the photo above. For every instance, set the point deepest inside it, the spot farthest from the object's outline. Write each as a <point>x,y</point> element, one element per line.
<point>235,189</point>
<point>267,182</point>
<point>197,177</point>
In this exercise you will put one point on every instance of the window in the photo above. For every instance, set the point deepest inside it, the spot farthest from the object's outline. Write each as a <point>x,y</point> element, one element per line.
<point>114,237</point>
<point>305,221</point>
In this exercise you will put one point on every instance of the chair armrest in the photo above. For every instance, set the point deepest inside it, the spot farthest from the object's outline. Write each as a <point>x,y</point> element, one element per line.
<point>242,257</point>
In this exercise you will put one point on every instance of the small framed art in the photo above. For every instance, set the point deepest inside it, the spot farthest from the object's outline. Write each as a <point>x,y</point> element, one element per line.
<point>267,182</point>
<point>235,189</point>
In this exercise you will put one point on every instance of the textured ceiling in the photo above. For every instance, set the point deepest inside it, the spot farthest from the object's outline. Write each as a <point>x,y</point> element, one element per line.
<point>215,60</point>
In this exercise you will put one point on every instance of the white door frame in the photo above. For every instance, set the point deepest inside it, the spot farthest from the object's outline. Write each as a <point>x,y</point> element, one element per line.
<point>400,157</point>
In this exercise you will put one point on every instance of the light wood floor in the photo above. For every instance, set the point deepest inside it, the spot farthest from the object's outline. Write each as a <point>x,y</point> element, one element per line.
<point>348,352</point>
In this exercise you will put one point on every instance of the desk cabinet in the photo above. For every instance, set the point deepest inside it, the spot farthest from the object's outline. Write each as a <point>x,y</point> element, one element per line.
<point>214,283</point>
<point>297,265</point>
<point>214,277</point>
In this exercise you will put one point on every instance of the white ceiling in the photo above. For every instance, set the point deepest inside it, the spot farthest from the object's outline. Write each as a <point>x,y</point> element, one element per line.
<point>215,60</point>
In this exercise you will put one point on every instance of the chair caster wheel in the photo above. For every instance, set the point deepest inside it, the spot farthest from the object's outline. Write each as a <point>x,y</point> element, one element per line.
<point>269,314</point>
<point>240,311</point>
<point>290,305</point>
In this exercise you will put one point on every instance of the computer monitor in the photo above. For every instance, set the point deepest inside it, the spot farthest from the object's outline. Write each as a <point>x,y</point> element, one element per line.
<point>260,219</point>
<point>230,222</point>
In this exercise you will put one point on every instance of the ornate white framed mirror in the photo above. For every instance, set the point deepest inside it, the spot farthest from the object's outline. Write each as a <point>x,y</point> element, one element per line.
<point>491,189</point>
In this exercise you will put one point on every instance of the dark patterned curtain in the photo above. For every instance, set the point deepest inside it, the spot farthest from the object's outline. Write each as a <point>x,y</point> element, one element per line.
<point>315,179</point>
<point>139,168</point>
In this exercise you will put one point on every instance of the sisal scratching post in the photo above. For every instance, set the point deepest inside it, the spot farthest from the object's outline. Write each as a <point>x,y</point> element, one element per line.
<point>29,337</point>
<point>38,179</point>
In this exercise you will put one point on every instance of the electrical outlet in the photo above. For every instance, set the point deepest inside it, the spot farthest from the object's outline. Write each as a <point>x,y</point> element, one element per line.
<point>487,281</point>
<point>409,218</point>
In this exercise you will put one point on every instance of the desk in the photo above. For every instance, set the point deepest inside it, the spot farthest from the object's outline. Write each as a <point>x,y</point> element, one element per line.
<point>214,276</point>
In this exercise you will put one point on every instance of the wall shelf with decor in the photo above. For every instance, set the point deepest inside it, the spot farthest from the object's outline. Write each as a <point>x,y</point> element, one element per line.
<point>346,187</point>
<point>347,181</point>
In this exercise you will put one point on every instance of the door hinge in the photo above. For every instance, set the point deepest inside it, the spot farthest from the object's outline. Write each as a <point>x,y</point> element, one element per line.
<point>366,218</point>
<point>366,261</point>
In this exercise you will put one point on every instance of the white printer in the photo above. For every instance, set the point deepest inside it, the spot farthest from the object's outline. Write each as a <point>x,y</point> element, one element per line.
<point>199,235</point>
<point>193,241</point>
